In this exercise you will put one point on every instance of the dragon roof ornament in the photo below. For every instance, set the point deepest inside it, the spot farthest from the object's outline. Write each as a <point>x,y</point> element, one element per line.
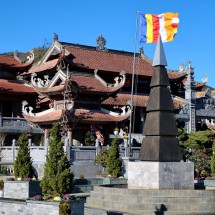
<point>119,80</point>
<point>30,57</point>
<point>125,111</point>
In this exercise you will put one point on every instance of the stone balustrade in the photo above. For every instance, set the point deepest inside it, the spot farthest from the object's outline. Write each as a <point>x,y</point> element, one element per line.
<point>75,153</point>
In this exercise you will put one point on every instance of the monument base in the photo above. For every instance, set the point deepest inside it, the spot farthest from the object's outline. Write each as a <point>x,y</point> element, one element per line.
<point>160,175</point>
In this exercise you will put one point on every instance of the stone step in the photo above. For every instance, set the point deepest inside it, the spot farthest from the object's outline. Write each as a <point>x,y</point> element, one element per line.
<point>169,201</point>
<point>155,193</point>
<point>82,188</point>
<point>161,211</point>
<point>208,206</point>
<point>176,201</point>
<point>149,199</point>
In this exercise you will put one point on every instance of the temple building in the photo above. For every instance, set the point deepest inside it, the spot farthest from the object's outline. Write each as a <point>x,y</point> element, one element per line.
<point>12,92</point>
<point>88,88</point>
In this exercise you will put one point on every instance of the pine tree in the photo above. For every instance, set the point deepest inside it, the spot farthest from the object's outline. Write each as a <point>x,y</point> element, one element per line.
<point>213,161</point>
<point>114,161</point>
<point>58,179</point>
<point>101,158</point>
<point>23,163</point>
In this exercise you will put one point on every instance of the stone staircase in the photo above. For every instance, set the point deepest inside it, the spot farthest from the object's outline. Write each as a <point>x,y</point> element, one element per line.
<point>86,185</point>
<point>121,201</point>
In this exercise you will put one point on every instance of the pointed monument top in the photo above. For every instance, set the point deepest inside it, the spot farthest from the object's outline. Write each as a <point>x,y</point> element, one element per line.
<point>159,57</point>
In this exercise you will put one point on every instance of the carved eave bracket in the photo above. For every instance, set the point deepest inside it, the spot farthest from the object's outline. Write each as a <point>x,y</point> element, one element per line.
<point>44,82</point>
<point>125,111</point>
<point>40,82</point>
<point>27,109</point>
<point>119,80</point>
<point>30,57</point>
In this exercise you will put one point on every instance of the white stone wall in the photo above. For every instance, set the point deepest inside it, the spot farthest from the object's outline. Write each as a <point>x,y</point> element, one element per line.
<point>28,207</point>
<point>161,175</point>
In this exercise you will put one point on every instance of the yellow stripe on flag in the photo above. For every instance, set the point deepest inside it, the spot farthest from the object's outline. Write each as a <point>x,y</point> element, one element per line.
<point>149,28</point>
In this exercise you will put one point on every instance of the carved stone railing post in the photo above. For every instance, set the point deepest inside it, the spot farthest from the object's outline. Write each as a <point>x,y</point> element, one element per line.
<point>13,149</point>
<point>46,141</point>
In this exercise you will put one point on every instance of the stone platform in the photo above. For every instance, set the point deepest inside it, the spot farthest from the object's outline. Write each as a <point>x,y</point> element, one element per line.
<point>160,175</point>
<point>122,201</point>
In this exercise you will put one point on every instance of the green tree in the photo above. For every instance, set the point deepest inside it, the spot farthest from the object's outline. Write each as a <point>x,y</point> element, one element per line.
<point>58,179</point>
<point>199,150</point>
<point>114,161</point>
<point>213,160</point>
<point>182,136</point>
<point>200,140</point>
<point>23,163</point>
<point>101,158</point>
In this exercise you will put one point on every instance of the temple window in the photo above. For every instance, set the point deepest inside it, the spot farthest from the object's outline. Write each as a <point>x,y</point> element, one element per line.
<point>7,109</point>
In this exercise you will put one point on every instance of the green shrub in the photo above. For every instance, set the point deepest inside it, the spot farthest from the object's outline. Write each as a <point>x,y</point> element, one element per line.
<point>58,179</point>
<point>3,170</point>
<point>23,163</point>
<point>213,160</point>
<point>1,184</point>
<point>114,161</point>
<point>101,158</point>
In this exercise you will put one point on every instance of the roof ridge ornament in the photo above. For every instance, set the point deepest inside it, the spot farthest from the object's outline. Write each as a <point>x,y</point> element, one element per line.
<point>101,42</point>
<point>15,55</point>
<point>55,37</point>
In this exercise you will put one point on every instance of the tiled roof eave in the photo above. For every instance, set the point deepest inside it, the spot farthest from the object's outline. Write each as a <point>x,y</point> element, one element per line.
<point>46,118</point>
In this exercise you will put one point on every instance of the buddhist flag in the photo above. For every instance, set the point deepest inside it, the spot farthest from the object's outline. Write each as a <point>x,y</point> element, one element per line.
<point>151,25</point>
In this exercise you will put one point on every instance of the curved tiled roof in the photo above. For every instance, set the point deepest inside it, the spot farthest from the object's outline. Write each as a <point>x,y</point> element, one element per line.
<point>92,116</point>
<point>113,61</point>
<point>82,115</point>
<point>10,63</point>
<point>44,66</point>
<point>84,83</point>
<point>53,116</point>
<point>51,90</point>
<point>122,99</point>
<point>91,84</point>
<point>138,100</point>
<point>199,85</point>
<point>15,87</point>
<point>200,94</point>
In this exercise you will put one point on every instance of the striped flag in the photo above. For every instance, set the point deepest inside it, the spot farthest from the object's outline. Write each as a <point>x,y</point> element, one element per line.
<point>151,25</point>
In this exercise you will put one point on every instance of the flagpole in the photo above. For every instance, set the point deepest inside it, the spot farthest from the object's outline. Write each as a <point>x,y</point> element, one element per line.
<point>132,85</point>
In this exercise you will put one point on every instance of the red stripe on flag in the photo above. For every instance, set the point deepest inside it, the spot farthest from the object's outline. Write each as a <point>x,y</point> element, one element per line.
<point>156,28</point>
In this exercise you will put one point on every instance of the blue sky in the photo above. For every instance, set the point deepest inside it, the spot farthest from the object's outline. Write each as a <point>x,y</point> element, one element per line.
<point>27,24</point>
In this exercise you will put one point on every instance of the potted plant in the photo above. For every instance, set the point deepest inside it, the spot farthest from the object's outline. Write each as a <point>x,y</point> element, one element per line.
<point>1,188</point>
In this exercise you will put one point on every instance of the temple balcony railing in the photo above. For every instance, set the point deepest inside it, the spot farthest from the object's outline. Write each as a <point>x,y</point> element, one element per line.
<point>17,125</point>
<point>183,116</point>
<point>205,113</point>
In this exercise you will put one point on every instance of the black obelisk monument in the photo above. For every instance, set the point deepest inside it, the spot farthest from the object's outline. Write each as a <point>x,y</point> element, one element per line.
<point>160,142</point>
<point>159,165</point>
